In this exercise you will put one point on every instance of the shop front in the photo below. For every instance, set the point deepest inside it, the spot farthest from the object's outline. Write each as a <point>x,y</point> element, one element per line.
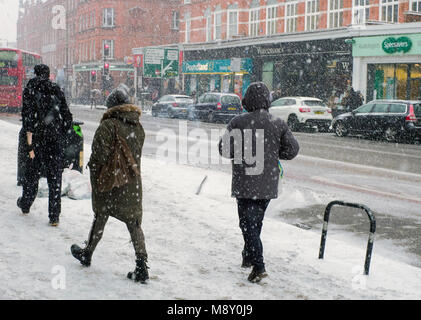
<point>319,68</point>
<point>388,67</point>
<point>228,75</point>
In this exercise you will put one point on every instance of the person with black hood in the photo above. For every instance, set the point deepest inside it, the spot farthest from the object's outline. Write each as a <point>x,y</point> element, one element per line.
<point>255,141</point>
<point>123,202</point>
<point>46,121</point>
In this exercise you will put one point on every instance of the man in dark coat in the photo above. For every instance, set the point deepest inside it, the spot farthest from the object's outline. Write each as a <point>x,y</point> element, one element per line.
<point>125,202</point>
<point>352,100</point>
<point>255,141</point>
<point>46,120</point>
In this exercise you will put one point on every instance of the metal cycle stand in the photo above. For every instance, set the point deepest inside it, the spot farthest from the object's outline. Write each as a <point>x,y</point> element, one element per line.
<point>370,238</point>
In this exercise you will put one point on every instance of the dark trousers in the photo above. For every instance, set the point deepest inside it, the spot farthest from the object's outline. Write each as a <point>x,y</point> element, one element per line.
<point>48,162</point>
<point>251,213</point>
<point>135,230</point>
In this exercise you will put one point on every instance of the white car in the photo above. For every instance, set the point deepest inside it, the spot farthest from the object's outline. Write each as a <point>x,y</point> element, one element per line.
<point>301,112</point>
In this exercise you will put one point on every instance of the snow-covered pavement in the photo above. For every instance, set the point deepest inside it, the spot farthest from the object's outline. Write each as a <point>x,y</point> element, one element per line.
<point>193,241</point>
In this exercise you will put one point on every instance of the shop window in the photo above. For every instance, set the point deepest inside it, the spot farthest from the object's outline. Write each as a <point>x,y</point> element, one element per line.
<point>360,11</point>
<point>312,14</point>
<point>389,10</point>
<point>291,16</point>
<point>271,20</point>
<point>254,22</point>
<point>336,10</point>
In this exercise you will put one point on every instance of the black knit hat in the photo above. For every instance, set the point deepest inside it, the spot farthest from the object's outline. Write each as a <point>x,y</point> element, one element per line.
<point>118,96</point>
<point>257,97</point>
<point>42,71</point>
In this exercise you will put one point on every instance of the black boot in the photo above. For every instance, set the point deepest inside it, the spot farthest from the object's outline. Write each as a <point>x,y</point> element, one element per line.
<point>19,204</point>
<point>140,274</point>
<point>257,275</point>
<point>81,255</point>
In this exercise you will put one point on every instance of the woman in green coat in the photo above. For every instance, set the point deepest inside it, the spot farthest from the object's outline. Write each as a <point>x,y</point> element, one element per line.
<point>125,202</point>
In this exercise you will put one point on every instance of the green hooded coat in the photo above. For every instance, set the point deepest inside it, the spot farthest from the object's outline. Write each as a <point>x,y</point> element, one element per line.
<point>123,203</point>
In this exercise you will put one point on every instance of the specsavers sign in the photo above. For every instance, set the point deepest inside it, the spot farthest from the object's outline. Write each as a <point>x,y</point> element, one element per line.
<point>405,44</point>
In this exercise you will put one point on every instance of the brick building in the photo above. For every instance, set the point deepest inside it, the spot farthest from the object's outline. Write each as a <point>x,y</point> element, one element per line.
<point>304,47</point>
<point>77,49</point>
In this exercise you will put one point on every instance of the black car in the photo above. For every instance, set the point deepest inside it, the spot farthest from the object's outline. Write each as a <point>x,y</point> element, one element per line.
<point>73,152</point>
<point>394,120</point>
<point>173,106</point>
<point>214,106</point>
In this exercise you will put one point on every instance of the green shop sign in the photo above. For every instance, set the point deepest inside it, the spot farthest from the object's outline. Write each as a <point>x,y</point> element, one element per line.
<point>161,63</point>
<point>393,45</point>
<point>403,44</point>
<point>218,66</point>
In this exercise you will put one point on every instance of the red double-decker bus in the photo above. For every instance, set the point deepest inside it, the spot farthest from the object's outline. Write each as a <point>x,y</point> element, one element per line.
<point>16,69</point>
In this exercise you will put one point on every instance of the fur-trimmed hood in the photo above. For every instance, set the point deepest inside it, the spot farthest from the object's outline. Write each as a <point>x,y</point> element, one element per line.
<point>126,112</point>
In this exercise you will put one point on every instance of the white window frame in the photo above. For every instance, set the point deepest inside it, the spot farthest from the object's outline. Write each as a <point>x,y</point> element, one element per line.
<point>312,15</point>
<point>187,31</point>
<point>415,6</point>
<point>187,1</point>
<point>208,29</point>
<point>360,11</point>
<point>271,19</point>
<point>254,22</point>
<point>105,16</point>
<point>229,12</point>
<point>291,16</point>
<point>384,6</point>
<point>175,20</point>
<point>217,35</point>
<point>335,16</point>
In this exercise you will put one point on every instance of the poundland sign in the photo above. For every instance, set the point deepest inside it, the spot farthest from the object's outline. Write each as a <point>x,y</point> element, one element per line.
<point>406,44</point>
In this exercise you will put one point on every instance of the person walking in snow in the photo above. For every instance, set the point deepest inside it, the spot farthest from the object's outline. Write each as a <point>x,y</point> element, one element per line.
<point>123,202</point>
<point>255,141</point>
<point>46,121</point>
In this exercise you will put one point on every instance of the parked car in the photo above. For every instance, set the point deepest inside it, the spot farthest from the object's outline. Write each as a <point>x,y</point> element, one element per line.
<point>73,151</point>
<point>172,106</point>
<point>394,120</point>
<point>216,106</point>
<point>301,112</point>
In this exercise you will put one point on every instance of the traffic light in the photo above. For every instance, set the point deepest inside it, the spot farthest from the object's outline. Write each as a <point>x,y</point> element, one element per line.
<point>106,50</point>
<point>93,76</point>
<point>106,68</point>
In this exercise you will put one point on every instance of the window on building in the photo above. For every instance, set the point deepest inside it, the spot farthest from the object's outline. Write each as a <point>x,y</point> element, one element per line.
<point>416,5</point>
<point>175,20</point>
<point>312,14</point>
<point>271,20</point>
<point>188,30</point>
<point>111,48</point>
<point>232,23</point>
<point>108,18</point>
<point>254,22</point>
<point>360,11</point>
<point>187,1</point>
<point>336,10</point>
<point>217,35</point>
<point>389,10</point>
<point>208,28</point>
<point>291,16</point>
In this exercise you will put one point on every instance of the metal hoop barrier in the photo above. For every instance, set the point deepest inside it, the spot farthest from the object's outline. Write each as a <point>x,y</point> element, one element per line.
<point>370,238</point>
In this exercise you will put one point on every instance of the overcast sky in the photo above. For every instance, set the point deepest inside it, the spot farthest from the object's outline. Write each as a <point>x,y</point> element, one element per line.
<point>8,19</point>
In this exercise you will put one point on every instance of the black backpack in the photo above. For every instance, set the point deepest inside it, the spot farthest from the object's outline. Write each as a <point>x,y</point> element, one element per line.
<point>49,118</point>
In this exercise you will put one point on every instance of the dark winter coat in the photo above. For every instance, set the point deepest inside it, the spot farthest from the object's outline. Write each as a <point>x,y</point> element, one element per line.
<point>257,179</point>
<point>123,203</point>
<point>41,98</point>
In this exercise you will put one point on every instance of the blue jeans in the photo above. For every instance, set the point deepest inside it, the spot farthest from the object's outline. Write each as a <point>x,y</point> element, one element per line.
<point>251,213</point>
